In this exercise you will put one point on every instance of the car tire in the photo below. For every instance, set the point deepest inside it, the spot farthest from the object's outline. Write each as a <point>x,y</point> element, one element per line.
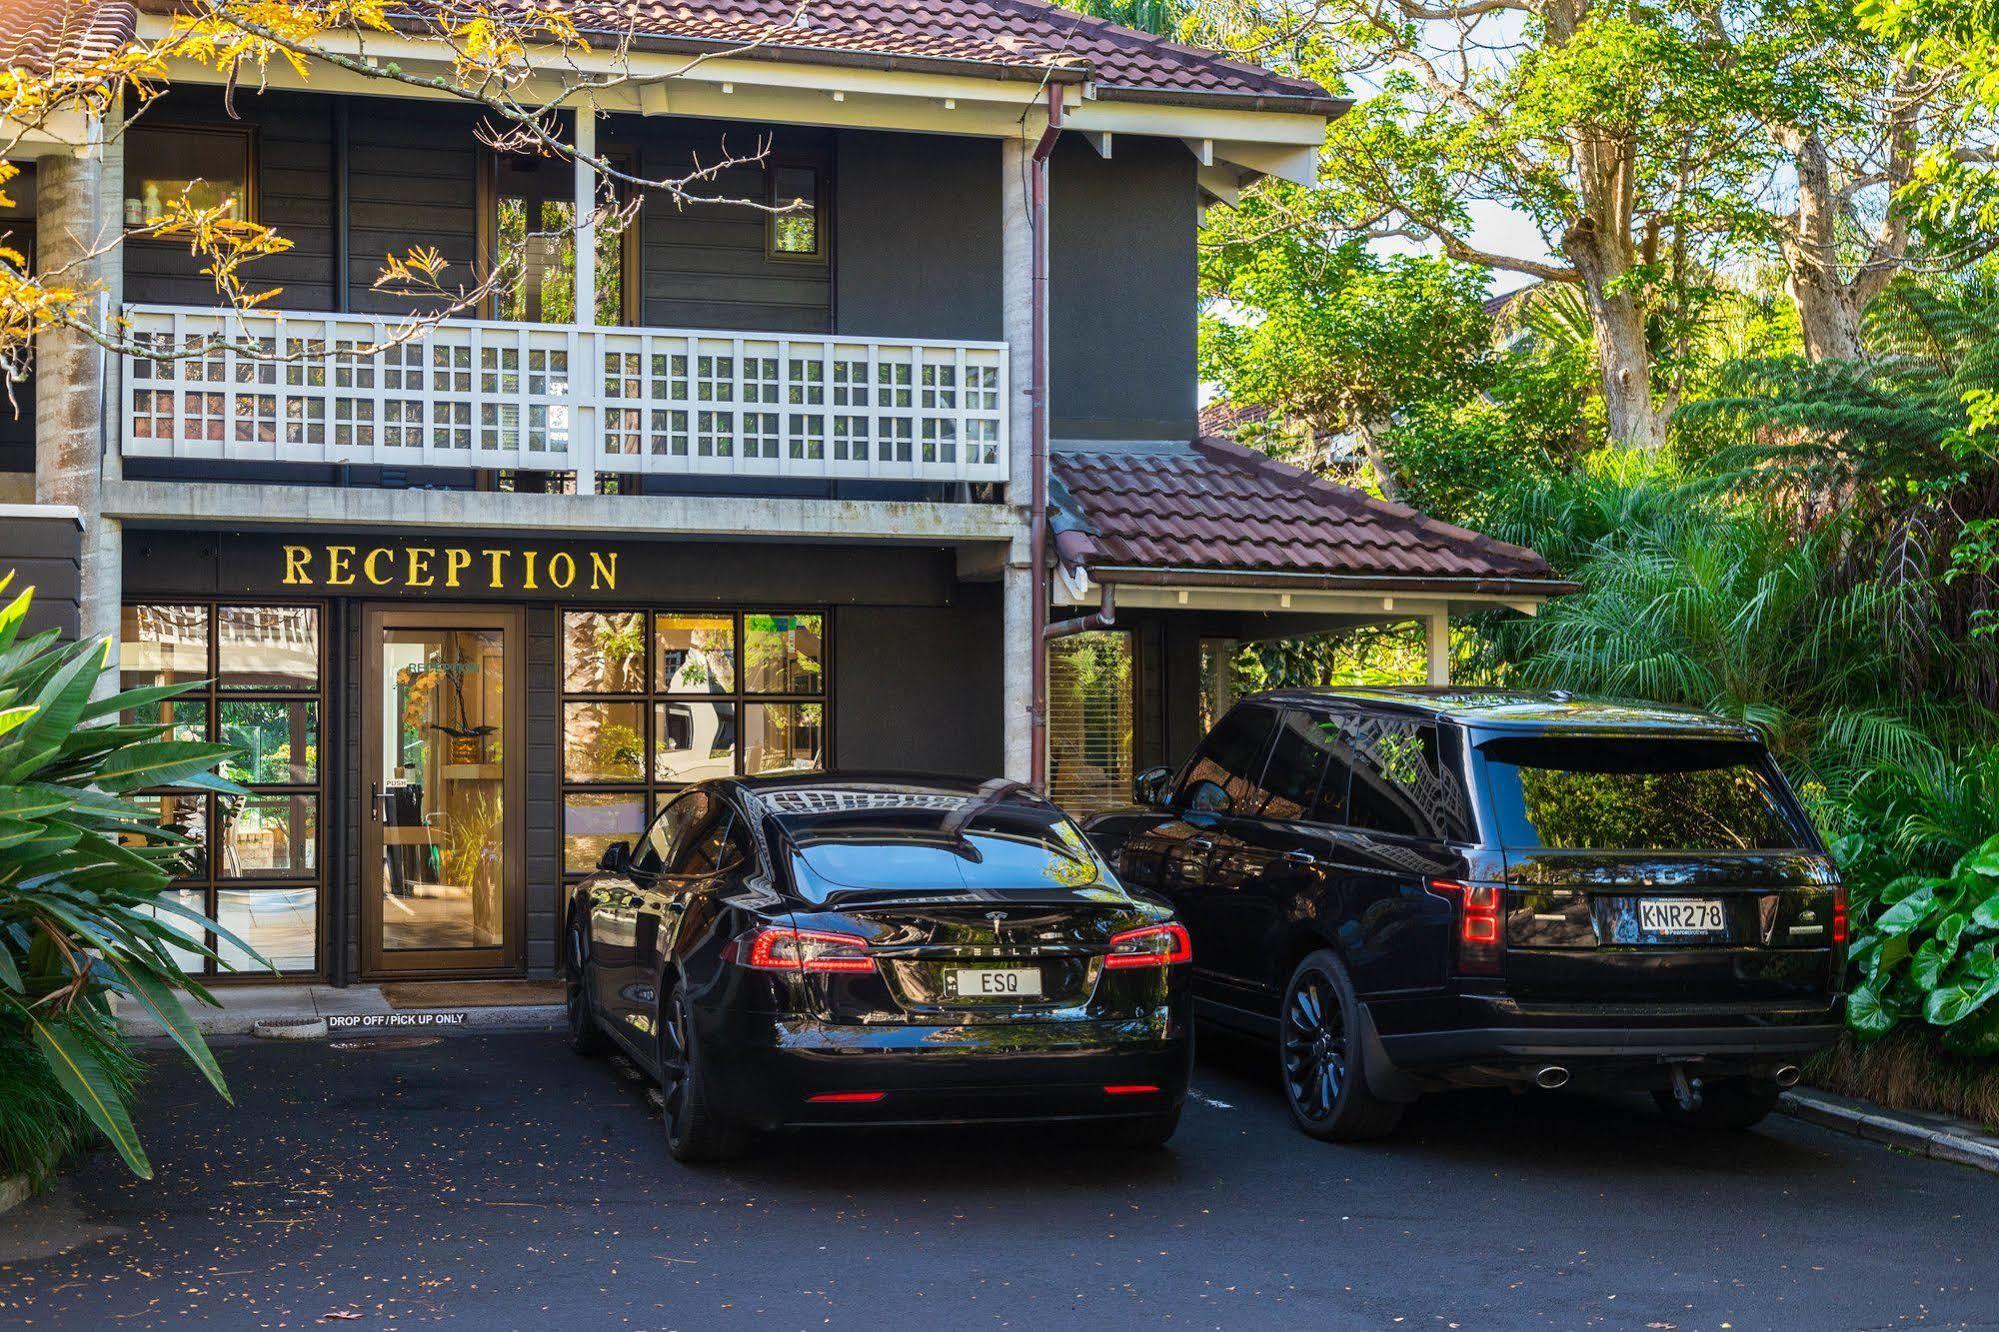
<point>1322,1066</point>
<point>1728,1105</point>
<point>697,1130</point>
<point>586,1038</point>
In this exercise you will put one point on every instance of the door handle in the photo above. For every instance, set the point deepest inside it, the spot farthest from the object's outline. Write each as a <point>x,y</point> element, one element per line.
<point>1305,858</point>
<point>375,802</point>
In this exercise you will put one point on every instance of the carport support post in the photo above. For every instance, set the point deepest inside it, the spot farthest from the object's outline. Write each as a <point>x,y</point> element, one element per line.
<point>1020,585</point>
<point>1437,638</point>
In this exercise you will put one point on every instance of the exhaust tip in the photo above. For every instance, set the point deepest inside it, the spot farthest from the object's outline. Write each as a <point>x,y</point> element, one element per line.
<point>1788,1075</point>
<point>1554,1075</point>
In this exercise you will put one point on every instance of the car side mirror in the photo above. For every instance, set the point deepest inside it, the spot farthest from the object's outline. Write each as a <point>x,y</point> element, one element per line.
<point>617,858</point>
<point>1148,788</point>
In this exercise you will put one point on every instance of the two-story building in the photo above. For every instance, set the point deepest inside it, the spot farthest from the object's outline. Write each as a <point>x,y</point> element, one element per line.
<point>882,480</point>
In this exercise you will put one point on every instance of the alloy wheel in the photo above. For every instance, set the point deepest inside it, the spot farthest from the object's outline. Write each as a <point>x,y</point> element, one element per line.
<point>673,1061</point>
<point>574,998</point>
<point>1315,1046</point>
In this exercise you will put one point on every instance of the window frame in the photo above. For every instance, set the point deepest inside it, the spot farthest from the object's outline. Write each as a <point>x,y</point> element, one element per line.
<point>249,211</point>
<point>653,793</point>
<point>822,210</point>
<point>210,882</point>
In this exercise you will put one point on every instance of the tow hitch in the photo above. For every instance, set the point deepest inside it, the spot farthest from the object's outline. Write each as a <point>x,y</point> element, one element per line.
<point>1686,1090</point>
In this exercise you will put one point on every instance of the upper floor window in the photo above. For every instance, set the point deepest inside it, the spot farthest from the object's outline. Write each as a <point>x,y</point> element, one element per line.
<point>205,166</point>
<point>796,233</point>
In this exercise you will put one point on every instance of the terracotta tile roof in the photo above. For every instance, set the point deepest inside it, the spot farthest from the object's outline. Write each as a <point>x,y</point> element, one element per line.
<point>1218,507</point>
<point>1025,34</point>
<point>1223,417</point>
<point>33,33</point>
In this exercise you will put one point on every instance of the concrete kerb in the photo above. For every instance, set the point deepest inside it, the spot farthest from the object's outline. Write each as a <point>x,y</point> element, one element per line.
<point>1938,1137</point>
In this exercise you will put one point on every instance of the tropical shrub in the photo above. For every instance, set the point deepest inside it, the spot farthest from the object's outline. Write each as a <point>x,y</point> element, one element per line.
<point>1929,947</point>
<point>85,914</point>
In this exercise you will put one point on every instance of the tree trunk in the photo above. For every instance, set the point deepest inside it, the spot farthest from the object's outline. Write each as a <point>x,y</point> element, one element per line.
<point>1827,309</point>
<point>1369,432</point>
<point>1624,356</point>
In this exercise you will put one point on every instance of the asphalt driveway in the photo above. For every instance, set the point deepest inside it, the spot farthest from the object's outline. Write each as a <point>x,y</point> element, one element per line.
<point>497,1181</point>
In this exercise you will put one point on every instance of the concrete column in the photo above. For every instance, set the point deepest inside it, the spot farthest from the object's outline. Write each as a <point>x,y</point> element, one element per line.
<point>1220,684</point>
<point>1017,664</point>
<point>1016,288</point>
<point>1437,639</point>
<point>77,384</point>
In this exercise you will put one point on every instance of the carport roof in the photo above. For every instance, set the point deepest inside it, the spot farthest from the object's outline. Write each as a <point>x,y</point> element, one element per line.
<point>1215,513</point>
<point>36,34</point>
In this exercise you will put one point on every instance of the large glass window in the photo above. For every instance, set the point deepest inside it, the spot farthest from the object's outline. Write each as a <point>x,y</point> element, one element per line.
<point>795,231</point>
<point>655,700</point>
<point>1601,794</point>
<point>206,166</point>
<point>255,863</point>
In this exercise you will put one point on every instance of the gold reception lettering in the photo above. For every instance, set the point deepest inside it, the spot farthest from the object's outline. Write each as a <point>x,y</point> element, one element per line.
<point>416,568</point>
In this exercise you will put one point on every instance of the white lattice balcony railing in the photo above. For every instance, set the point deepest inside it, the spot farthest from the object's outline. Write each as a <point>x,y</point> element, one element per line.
<point>560,398</point>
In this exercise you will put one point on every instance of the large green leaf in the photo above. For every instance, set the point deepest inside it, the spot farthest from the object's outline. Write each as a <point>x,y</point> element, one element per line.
<point>32,801</point>
<point>58,710</point>
<point>1977,1035</point>
<point>1963,994</point>
<point>1908,913</point>
<point>134,699</point>
<point>1867,1015</point>
<point>1984,860</point>
<point>158,763</point>
<point>14,718</point>
<point>160,1001</point>
<point>1930,960</point>
<point>77,1070</point>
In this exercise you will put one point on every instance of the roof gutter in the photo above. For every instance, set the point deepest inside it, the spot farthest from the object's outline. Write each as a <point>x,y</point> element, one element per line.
<point>1303,104</point>
<point>1149,576</point>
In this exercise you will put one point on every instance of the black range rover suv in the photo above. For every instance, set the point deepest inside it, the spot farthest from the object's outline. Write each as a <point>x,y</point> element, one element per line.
<point>1415,889</point>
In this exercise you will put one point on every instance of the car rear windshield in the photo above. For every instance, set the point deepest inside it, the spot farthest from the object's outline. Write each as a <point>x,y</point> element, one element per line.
<point>1602,794</point>
<point>1002,850</point>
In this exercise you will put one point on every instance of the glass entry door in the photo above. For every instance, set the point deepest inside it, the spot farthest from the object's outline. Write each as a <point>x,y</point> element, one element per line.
<point>441,723</point>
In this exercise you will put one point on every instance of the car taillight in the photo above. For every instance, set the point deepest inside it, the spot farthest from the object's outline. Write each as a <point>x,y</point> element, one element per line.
<point>782,948</point>
<point>1479,931</point>
<point>1839,915</point>
<point>1151,946</point>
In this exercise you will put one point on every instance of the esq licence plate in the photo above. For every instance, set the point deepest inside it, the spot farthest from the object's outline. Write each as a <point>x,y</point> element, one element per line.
<point>1680,915</point>
<point>999,982</point>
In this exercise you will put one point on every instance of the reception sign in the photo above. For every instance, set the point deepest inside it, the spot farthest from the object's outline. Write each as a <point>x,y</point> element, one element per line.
<point>450,568</point>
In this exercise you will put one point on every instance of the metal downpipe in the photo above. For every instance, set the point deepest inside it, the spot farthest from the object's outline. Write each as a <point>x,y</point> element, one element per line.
<point>1037,719</point>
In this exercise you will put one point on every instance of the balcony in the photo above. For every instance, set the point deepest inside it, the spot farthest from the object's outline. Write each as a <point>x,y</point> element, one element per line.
<point>562,398</point>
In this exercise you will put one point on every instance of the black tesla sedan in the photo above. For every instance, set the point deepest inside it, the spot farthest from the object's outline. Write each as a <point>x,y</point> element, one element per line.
<point>826,950</point>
